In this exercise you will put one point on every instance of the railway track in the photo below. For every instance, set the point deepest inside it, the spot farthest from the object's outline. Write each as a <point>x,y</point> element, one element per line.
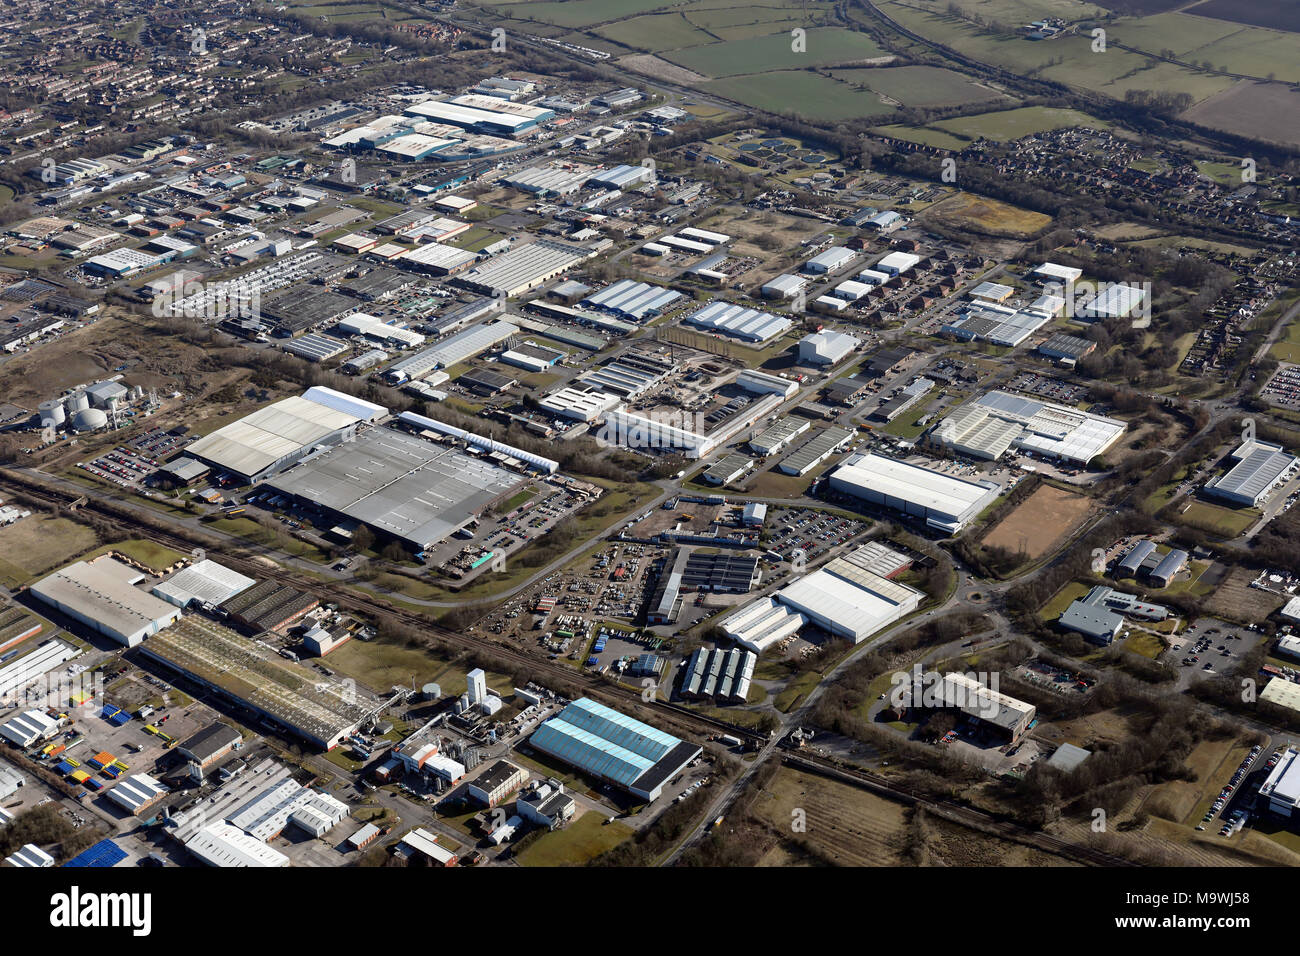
<point>259,566</point>
<point>966,816</point>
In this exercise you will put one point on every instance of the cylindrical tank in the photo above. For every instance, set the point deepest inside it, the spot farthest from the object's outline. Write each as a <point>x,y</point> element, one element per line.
<point>89,419</point>
<point>76,402</point>
<point>51,413</point>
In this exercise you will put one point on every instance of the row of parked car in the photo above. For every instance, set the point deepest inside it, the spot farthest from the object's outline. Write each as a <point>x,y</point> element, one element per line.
<point>1238,817</point>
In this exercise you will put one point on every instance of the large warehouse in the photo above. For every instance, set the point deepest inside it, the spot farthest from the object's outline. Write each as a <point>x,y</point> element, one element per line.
<point>102,595</point>
<point>1260,467</point>
<point>611,746</point>
<point>989,426</point>
<point>399,485</point>
<point>738,321</point>
<point>273,438</point>
<point>524,268</point>
<point>305,703</point>
<point>848,597</point>
<point>946,503</point>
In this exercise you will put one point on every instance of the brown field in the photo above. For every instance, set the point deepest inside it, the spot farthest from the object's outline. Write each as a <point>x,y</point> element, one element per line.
<point>1047,516</point>
<point>847,825</point>
<point>1236,600</point>
<point>652,66</point>
<point>1251,109</point>
<point>1274,14</point>
<point>1177,800</point>
<point>987,216</point>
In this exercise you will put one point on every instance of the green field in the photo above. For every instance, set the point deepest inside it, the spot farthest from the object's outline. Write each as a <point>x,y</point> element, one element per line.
<point>766,54</point>
<point>1014,124</point>
<point>808,95</point>
<point>576,13</point>
<point>582,840</point>
<point>918,85</point>
<point>656,32</point>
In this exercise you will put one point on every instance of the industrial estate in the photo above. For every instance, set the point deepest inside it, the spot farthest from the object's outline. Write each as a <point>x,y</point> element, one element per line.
<point>469,434</point>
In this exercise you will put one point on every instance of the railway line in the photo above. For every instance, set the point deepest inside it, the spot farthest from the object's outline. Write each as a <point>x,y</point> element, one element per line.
<point>260,567</point>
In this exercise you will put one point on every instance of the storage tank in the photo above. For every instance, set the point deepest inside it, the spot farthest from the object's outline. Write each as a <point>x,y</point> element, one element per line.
<point>89,419</point>
<point>51,413</point>
<point>77,402</point>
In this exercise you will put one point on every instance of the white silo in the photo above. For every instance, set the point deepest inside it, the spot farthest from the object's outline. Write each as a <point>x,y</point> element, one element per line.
<point>76,402</point>
<point>51,413</point>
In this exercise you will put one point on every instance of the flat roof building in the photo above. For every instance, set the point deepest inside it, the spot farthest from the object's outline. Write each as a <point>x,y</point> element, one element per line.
<point>826,348</point>
<point>992,424</point>
<point>945,502</point>
<point>101,594</point>
<point>1260,467</point>
<point>497,782</point>
<point>400,485</point>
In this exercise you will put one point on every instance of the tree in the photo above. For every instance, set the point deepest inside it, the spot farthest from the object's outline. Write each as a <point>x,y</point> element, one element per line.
<point>363,538</point>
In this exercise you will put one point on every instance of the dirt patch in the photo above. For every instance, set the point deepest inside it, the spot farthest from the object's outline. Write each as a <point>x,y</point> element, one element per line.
<point>1038,523</point>
<point>650,65</point>
<point>1235,600</point>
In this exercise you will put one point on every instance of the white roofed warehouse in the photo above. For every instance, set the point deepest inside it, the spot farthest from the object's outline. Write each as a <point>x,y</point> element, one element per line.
<point>273,438</point>
<point>1260,467</point>
<point>946,503</point>
<point>997,422</point>
<point>101,594</point>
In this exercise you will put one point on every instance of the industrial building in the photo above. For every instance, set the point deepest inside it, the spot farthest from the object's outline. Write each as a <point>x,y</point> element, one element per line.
<point>582,404</point>
<point>830,260</point>
<point>101,594</point>
<point>524,268</point>
<point>496,783</point>
<point>810,454</point>
<point>300,700</point>
<point>206,747</point>
<point>273,438</point>
<point>137,793</point>
<point>1281,789</point>
<point>268,606</point>
<point>1260,467</point>
<point>894,406</point>
<point>205,582</point>
<point>762,383</point>
<point>21,671</point>
<point>784,286</point>
<point>1281,692</point>
<point>546,805</point>
<point>610,746</point>
<point>1004,717</point>
<point>738,321</point>
<point>1066,348</point>
<point>1113,301</point>
<point>730,468</point>
<point>715,673</point>
<point>991,425</point>
<point>508,454</point>
<point>826,348</point>
<point>998,325</point>
<point>945,502</point>
<point>452,350</point>
<point>1100,614</point>
<point>848,597</point>
<point>401,486</point>
<point>638,431</point>
<point>777,436</point>
<point>223,845</point>
<point>633,300</point>
<point>631,374</point>
<point>687,570</point>
<point>29,727</point>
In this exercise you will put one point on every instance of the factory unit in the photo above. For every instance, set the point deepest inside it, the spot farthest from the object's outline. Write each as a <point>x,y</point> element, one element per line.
<point>1145,558</point>
<point>524,268</point>
<point>274,437</point>
<point>778,435</point>
<point>581,404</point>
<point>845,598</point>
<point>738,321</point>
<point>783,286</point>
<point>205,582</point>
<point>633,300</point>
<point>826,348</point>
<point>715,673</point>
<point>1004,717</point>
<point>101,594</point>
<point>611,746</point>
<point>451,351</point>
<point>496,783</point>
<point>731,468</point>
<point>686,570</point>
<point>827,442</point>
<point>1067,349</point>
<point>21,671</point>
<point>830,260</point>
<point>944,502</point>
<point>399,485</point>
<point>997,422</point>
<point>1280,792</point>
<point>1260,467</point>
<point>762,383</point>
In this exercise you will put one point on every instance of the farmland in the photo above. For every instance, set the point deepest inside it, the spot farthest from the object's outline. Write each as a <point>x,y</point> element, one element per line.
<point>773,53</point>
<point>811,96</point>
